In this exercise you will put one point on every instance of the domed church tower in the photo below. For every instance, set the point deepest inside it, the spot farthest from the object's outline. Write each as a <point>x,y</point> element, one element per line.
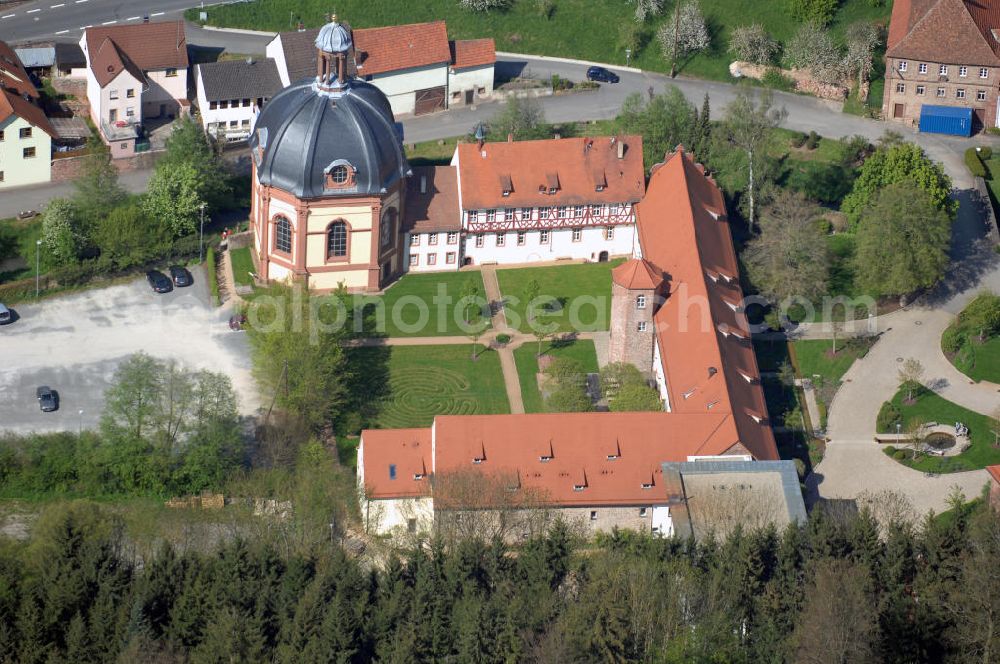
<point>329,178</point>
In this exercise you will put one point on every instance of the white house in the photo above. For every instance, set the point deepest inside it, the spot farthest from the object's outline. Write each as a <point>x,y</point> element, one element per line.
<point>25,132</point>
<point>524,202</point>
<point>415,65</point>
<point>135,73</point>
<point>231,93</point>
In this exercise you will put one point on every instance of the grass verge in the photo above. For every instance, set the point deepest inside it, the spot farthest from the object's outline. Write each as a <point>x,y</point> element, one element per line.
<point>213,277</point>
<point>242,264</point>
<point>420,305</point>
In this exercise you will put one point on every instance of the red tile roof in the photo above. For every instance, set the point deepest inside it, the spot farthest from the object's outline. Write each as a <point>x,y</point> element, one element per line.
<point>147,45</point>
<point>637,274</point>
<point>405,451</point>
<point>593,458</point>
<point>704,339</point>
<point>12,104</point>
<point>994,472</point>
<point>380,50</point>
<point>578,164</point>
<point>945,31</point>
<point>472,53</point>
<point>12,74</point>
<point>108,61</point>
<point>437,208</point>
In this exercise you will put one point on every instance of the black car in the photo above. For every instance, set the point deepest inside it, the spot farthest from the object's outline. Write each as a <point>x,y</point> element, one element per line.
<point>602,74</point>
<point>5,315</point>
<point>48,400</point>
<point>158,282</point>
<point>181,277</point>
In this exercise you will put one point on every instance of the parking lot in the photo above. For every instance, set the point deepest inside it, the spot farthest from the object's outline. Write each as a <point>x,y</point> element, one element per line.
<point>74,343</point>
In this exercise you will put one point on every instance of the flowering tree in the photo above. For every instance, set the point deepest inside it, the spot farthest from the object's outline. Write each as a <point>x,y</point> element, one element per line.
<point>646,8</point>
<point>484,5</point>
<point>751,43</point>
<point>686,33</point>
<point>813,49</point>
<point>862,39</point>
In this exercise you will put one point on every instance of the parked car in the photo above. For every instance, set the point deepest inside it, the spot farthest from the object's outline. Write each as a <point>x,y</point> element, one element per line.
<point>180,276</point>
<point>158,282</point>
<point>5,315</point>
<point>602,74</point>
<point>48,400</point>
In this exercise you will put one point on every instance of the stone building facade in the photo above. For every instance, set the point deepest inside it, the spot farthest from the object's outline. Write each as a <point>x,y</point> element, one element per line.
<point>634,298</point>
<point>942,53</point>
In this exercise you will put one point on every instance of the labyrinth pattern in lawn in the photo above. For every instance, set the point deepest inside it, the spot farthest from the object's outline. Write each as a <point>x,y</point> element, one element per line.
<point>418,394</point>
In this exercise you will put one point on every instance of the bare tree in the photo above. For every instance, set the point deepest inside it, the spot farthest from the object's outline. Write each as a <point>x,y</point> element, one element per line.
<point>751,43</point>
<point>910,375</point>
<point>469,504</point>
<point>685,33</point>
<point>995,426</point>
<point>748,125</point>
<point>789,257</point>
<point>888,506</point>
<point>838,620</point>
<point>916,435</point>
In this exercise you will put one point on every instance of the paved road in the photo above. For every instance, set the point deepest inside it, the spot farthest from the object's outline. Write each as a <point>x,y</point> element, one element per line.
<point>37,196</point>
<point>48,19</point>
<point>73,344</point>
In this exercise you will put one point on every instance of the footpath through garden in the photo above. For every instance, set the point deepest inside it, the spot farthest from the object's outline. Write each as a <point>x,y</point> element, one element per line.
<point>853,462</point>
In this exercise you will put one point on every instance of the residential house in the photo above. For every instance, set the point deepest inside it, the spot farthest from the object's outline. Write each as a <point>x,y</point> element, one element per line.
<point>415,65</point>
<point>25,132</point>
<point>526,201</point>
<point>135,73</point>
<point>943,53</point>
<point>231,93</point>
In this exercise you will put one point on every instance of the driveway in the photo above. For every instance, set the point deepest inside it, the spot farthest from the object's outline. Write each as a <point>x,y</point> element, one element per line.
<point>74,343</point>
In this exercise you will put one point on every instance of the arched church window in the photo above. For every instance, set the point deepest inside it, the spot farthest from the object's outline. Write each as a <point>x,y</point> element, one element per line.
<point>336,240</point>
<point>283,235</point>
<point>388,227</point>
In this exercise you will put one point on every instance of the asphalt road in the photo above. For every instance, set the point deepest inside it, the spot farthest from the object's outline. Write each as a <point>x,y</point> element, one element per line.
<point>47,19</point>
<point>74,343</point>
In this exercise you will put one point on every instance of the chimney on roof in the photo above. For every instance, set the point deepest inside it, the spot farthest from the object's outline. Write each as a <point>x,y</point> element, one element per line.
<point>621,149</point>
<point>423,184</point>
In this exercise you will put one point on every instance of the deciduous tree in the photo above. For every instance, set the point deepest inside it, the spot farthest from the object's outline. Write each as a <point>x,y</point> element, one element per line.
<point>812,48</point>
<point>751,43</point>
<point>902,241</point>
<point>789,257</point>
<point>748,125</point>
<point>685,33</point>
<point>61,232</point>
<point>633,398</point>
<point>664,121</point>
<point>175,196</point>
<point>820,11</point>
<point>911,374</point>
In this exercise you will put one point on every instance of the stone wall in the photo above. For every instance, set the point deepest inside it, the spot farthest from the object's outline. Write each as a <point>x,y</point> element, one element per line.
<point>70,168</point>
<point>803,81</point>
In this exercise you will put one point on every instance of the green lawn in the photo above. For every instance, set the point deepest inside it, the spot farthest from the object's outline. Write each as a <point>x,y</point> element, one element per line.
<point>562,285</point>
<point>814,357</point>
<point>930,407</point>
<point>17,240</point>
<point>425,381</point>
<point>242,266</point>
<point>431,153</point>
<point>980,361</point>
<point>408,307</point>
<point>576,28</point>
<point>581,350</point>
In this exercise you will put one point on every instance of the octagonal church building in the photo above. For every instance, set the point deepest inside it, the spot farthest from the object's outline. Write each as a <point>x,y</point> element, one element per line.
<point>329,178</point>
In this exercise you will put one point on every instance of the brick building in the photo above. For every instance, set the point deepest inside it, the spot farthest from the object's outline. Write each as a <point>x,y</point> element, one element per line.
<point>943,53</point>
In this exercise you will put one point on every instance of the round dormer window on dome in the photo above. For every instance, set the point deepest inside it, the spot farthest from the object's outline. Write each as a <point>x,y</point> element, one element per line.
<point>339,175</point>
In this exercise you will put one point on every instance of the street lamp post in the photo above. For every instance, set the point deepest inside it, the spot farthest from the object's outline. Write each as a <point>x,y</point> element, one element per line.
<point>628,56</point>
<point>79,430</point>
<point>201,235</point>
<point>38,259</point>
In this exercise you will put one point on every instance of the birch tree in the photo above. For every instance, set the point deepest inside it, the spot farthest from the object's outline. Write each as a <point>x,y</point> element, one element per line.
<point>748,125</point>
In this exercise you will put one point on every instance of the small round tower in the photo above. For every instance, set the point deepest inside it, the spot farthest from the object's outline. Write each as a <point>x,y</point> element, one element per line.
<point>634,288</point>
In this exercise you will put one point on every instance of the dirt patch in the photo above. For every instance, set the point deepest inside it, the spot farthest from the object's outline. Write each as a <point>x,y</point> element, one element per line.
<point>17,525</point>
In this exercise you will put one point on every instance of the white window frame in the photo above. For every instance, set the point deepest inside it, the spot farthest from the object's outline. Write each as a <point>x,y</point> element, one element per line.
<point>900,88</point>
<point>501,239</point>
<point>577,235</point>
<point>641,327</point>
<point>452,237</point>
<point>480,240</point>
<point>432,259</point>
<point>980,95</point>
<point>508,214</point>
<point>609,232</point>
<point>415,240</point>
<point>960,93</point>
<point>941,92</point>
<point>943,70</point>
<point>640,301</point>
<point>921,90</point>
<point>963,71</point>
<point>491,215</point>
<point>902,65</point>
<point>521,238</point>
<point>432,239</point>
<point>414,260</point>
<point>984,72</point>
<point>450,258</point>
<point>922,68</point>
<point>543,237</point>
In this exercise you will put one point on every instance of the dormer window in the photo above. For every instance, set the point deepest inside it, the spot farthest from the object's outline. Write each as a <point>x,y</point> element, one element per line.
<point>506,185</point>
<point>647,485</point>
<point>418,476</point>
<point>340,175</point>
<point>545,458</point>
<point>552,182</point>
<point>477,460</point>
<point>579,487</point>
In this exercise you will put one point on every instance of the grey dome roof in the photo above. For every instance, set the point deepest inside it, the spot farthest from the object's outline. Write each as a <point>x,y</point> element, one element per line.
<point>333,38</point>
<point>302,133</point>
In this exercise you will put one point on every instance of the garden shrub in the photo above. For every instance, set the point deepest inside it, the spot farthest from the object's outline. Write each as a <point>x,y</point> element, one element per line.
<point>889,449</point>
<point>985,152</point>
<point>974,163</point>
<point>953,339</point>
<point>799,139</point>
<point>213,279</point>
<point>981,317</point>
<point>503,338</point>
<point>812,142</point>
<point>824,225</point>
<point>888,417</point>
<point>773,78</point>
<point>899,455</point>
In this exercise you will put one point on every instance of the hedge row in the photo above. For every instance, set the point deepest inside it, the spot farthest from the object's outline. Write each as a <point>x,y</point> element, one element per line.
<point>975,163</point>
